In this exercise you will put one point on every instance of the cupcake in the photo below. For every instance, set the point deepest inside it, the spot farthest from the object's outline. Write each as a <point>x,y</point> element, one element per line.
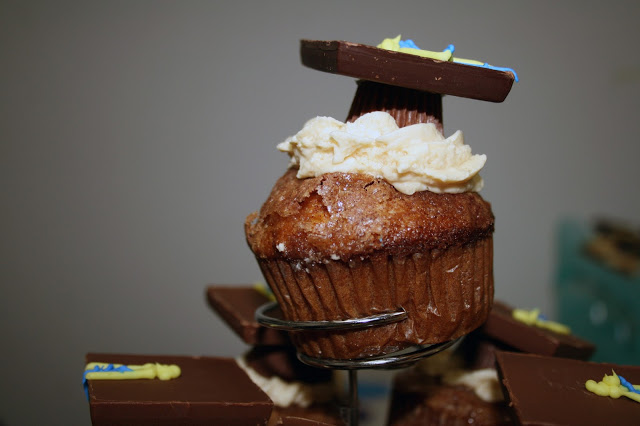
<point>429,402</point>
<point>372,218</point>
<point>454,387</point>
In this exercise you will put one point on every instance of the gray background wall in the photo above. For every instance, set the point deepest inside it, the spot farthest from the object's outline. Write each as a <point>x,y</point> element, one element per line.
<point>136,136</point>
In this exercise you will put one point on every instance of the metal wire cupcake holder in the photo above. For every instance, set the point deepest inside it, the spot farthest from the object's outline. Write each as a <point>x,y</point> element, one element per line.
<point>266,315</point>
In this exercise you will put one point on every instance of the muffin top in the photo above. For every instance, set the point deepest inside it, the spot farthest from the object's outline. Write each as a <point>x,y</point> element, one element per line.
<point>346,215</point>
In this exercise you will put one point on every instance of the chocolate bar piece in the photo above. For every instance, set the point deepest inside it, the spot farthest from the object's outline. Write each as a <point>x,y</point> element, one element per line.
<point>478,350</point>
<point>551,391</point>
<point>208,391</point>
<point>301,421</point>
<point>237,307</point>
<point>406,70</point>
<point>315,415</point>
<point>502,327</point>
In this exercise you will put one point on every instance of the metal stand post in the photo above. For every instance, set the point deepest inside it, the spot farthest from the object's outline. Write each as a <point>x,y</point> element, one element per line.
<point>399,359</point>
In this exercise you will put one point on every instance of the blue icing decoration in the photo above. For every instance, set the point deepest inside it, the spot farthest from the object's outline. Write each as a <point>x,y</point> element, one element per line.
<point>628,385</point>
<point>408,43</point>
<point>110,367</point>
<point>451,48</point>
<point>491,67</point>
<point>98,369</point>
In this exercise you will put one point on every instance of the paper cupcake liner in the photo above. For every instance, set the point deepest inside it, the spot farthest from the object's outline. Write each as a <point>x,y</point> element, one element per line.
<point>446,293</point>
<point>407,106</point>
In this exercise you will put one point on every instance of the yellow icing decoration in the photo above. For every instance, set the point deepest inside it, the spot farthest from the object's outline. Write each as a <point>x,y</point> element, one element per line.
<point>394,44</point>
<point>467,61</point>
<point>264,290</point>
<point>446,55</point>
<point>532,317</point>
<point>146,371</point>
<point>408,46</point>
<point>610,386</point>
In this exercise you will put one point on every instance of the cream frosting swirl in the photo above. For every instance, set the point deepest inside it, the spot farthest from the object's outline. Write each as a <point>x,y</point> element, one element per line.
<point>449,367</point>
<point>285,394</point>
<point>484,382</point>
<point>413,158</point>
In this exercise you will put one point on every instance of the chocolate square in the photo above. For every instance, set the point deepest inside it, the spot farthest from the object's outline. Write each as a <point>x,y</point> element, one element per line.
<point>208,391</point>
<point>502,327</point>
<point>551,391</point>
<point>237,306</point>
<point>406,70</point>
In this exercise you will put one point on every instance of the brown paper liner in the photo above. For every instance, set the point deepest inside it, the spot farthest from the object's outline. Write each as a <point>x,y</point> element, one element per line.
<point>407,106</point>
<point>446,293</point>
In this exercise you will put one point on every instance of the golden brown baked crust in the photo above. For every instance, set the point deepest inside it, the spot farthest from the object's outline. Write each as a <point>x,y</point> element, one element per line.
<point>343,215</point>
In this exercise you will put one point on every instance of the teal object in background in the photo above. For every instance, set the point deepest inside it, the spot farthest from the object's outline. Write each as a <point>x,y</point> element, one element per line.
<point>597,302</point>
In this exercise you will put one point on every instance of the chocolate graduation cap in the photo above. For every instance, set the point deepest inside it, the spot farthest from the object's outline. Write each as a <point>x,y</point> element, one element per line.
<point>409,87</point>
